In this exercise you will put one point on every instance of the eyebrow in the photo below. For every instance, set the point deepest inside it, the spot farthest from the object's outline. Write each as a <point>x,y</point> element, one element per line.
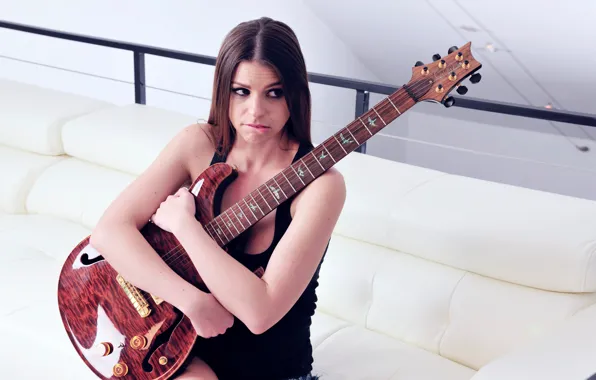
<point>247,86</point>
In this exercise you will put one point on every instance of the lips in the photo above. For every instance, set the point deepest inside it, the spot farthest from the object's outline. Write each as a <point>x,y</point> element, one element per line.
<point>258,126</point>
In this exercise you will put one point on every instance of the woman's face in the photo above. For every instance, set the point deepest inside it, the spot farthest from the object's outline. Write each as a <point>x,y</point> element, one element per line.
<point>258,107</point>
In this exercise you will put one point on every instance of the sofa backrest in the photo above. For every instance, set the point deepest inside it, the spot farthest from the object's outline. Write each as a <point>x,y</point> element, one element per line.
<point>461,267</point>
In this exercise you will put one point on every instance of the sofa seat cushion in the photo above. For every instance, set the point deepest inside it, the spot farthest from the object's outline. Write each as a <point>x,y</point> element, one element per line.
<point>19,169</point>
<point>76,190</point>
<point>50,236</point>
<point>343,351</point>
<point>21,351</point>
<point>33,250</point>
<point>31,117</point>
<point>126,138</point>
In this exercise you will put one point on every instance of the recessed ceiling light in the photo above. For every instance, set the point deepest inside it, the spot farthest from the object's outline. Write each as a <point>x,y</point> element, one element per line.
<point>548,105</point>
<point>469,28</point>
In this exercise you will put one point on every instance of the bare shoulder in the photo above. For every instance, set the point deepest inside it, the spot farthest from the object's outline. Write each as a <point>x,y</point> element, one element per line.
<point>194,140</point>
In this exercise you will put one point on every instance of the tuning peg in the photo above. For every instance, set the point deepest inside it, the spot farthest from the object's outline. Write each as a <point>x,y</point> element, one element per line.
<point>462,90</point>
<point>436,57</point>
<point>449,101</point>
<point>475,78</point>
<point>452,49</point>
<point>419,63</point>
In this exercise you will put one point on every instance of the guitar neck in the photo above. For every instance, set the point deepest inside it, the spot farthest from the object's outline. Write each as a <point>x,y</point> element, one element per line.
<point>265,198</point>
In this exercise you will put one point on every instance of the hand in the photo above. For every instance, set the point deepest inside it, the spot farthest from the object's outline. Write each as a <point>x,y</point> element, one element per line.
<point>209,318</point>
<point>175,210</point>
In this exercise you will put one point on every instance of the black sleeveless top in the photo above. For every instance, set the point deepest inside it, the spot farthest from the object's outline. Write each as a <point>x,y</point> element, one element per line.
<point>284,351</point>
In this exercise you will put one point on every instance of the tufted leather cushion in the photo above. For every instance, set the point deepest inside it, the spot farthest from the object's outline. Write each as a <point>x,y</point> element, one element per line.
<point>126,138</point>
<point>31,117</point>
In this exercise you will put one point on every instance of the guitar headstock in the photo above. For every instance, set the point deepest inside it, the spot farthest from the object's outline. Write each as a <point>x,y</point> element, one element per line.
<point>435,81</point>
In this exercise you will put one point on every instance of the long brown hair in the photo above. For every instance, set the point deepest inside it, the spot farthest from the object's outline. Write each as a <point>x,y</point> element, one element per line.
<point>271,42</point>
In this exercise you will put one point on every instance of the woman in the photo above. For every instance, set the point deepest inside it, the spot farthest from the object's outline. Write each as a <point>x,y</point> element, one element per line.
<point>249,327</point>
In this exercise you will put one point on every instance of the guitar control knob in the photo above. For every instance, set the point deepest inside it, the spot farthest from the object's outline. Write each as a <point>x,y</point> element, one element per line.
<point>138,342</point>
<point>104,349</point>
<point>120,370</point>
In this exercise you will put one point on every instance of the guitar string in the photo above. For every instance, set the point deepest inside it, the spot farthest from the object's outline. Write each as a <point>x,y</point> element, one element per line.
<point>384,105</point>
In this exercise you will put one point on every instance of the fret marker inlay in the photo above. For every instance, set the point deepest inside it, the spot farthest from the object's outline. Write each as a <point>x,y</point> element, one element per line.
<point>371,122</point>
<point>344,139</point>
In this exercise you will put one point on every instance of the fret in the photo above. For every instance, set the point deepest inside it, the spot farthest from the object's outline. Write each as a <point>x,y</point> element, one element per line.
<point>257,203</point>
<point>390,101</point>
<point>355,139</point>
<point>231,223</point>
<point>211,234</point>
<point>297,175</point>
<point>385,124</point>
<point>240,215</point>
<point>288,181</point>
<point>267,186</point>
<point>321,155</point>
<point>307,168</point>
<point>316,159</point>
<point>264,199</point>
<point>279,187</point>
<point>247,206</point>
<point>365,126</point>
<point>221,230</point>
<point>338,143</point>
<point>328,153</point>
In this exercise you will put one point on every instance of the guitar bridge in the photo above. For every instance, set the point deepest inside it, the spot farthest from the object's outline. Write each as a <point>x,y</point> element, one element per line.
<point>136,298</point>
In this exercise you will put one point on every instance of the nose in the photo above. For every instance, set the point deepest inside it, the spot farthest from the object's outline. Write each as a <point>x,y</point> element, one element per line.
<point>256,107</point>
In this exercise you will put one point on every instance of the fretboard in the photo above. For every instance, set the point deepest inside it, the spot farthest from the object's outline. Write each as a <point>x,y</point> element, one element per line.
<point>265,198</point>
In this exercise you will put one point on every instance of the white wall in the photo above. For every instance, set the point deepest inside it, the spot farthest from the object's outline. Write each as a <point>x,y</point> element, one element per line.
<point>482,145</point>
<point>196,26</point>
<point>513,150</point>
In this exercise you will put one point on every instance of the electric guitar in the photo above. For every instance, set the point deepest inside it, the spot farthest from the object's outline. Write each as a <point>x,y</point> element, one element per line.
<point>120,331</point>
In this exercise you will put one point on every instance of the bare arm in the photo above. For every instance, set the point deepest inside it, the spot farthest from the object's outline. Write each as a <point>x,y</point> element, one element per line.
<point>261,302</point>
<point>117,235</point>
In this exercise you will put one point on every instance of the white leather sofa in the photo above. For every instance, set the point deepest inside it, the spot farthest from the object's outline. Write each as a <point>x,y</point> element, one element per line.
<point>429,276</point>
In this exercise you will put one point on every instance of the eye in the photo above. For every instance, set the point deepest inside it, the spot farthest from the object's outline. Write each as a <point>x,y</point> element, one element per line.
<point>276,92</point>
<point>240,91</point>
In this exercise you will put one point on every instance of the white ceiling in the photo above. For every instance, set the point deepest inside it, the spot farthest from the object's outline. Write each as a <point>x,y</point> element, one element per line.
<point>544,49</point>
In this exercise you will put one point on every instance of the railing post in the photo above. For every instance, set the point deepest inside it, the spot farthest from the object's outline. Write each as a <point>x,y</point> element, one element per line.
<point>140,90</point>
<point>362,98</point>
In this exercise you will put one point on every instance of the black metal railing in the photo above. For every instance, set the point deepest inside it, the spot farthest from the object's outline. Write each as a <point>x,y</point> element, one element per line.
<point>362,88</point>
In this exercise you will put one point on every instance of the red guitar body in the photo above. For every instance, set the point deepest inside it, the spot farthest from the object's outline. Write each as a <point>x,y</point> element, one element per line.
<point>118,330</point>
